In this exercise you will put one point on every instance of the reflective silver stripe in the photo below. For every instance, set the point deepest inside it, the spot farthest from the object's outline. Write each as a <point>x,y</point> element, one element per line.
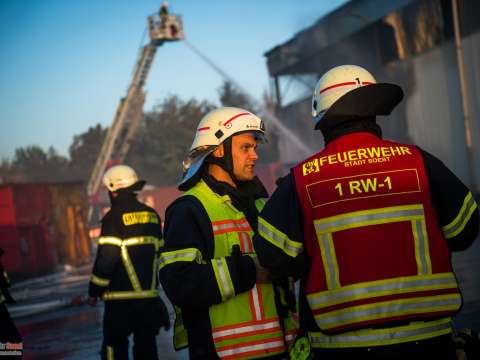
<point>289,338</point>
<point>245,241</point>
<point>246,329</point>
<point>458,224</point>
<point>121,295</point>
<point>387,309</point>
<point>243,224</point>
<point>325,227</point>
<point>189,254</point>
<point>223,278</point>
<point>279,239</point>
<point>357,219</point>
<point>247,348</point>
<point>109,240</point>
<point>378,288</point>
<point>375,337</point>
<point>423,266</point>
<point>330,259</point>
<point>256,302</point>
<point>130,269</point>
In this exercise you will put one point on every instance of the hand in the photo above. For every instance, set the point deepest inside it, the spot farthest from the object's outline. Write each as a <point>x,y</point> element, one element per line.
<point>92,301</point>
<point>263,274</point>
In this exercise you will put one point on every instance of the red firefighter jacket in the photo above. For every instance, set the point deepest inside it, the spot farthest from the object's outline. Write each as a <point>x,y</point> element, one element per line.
<point>369,229</point>
<point>377,251</point>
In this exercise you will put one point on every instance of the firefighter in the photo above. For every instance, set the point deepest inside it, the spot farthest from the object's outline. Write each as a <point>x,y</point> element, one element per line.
<point>225,302</point>
<point>369,224</point>
<point>124,274</point>
<point>8,331</point>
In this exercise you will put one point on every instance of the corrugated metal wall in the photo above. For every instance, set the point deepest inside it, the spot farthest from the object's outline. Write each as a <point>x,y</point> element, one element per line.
<point>412,46</point>
<point>431,113</point>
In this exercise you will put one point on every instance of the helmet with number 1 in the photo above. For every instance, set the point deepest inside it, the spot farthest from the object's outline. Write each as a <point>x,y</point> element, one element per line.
<point>350,91</point>
<point>214,128</point>
<point>120,177</point>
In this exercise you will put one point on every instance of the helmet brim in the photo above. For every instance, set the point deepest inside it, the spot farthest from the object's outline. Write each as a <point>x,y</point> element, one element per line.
<point>194,168</point>
<point>365,101</point>
<point>134,187</point>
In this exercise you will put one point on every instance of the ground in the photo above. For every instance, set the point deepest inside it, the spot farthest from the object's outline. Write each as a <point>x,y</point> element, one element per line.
<point>54,328</point>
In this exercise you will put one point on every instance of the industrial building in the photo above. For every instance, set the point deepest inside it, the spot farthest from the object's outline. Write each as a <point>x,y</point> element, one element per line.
<point>408,42</point>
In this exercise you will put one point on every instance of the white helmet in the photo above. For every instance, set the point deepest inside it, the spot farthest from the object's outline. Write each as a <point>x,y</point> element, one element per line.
<point>365,98</point>
<point>214,128</point>
<point>121,177</point>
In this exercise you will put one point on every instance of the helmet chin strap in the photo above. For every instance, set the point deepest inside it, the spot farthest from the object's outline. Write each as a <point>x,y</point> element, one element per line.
<point>226,161</point>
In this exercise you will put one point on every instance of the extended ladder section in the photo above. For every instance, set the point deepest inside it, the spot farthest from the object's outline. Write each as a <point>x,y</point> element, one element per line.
<point>161,27</point>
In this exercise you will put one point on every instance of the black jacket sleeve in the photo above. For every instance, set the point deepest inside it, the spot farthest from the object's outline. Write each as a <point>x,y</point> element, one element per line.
<point>455,205</point>
<point>106,259</point>
<point>282,212</point>
<point>191,283</point>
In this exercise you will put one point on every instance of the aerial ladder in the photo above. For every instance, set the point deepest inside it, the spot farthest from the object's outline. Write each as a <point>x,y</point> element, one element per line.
<point>162,27</point>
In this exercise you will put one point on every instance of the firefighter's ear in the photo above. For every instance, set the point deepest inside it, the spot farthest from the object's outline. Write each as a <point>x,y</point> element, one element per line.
<point>219,151</point>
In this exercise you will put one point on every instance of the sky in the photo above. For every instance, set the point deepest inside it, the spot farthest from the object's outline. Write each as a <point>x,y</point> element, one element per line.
<point>65,64</point>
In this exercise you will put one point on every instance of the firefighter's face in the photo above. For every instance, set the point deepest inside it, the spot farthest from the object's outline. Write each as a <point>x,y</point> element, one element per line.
<point>244,156</point>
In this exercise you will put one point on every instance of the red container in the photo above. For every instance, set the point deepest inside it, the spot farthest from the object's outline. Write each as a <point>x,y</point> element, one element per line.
<point>24,204</point>
<point>9,242</point>
<point>43,224</point>
<point>7,210</point>
<point>28,251</point>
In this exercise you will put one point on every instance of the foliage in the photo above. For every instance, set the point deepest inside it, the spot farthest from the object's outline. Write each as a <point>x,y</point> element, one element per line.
<point>163,139</point>
<point>159,146</point>
<point>32,163</point>
<point>84,151</point>
<point>230,96</point>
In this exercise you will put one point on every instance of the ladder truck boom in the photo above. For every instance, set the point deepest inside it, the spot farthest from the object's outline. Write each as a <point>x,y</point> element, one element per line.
<point>162,27</point>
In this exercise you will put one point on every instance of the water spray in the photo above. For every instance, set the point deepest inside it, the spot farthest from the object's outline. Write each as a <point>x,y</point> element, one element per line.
<point>268,114</point>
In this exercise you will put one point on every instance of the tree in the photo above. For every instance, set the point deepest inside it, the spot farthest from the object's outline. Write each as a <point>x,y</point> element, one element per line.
<point>33,164</point>
<point>9,173</point>
<point>163,139</point>
<point>84,151</point>
<point>230,96</point>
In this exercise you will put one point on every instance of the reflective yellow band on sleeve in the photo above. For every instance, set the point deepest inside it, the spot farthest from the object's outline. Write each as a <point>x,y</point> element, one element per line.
<point>458,224</point>
<point>2,298</point>
<point>188,255</point>
<point>110,240</point>
<point>125,295</point>
<point>278,238</point>
<point>224,280</point>
<point>97,280</point>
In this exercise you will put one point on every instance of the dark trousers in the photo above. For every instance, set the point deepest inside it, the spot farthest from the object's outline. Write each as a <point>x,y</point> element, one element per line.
<point>144,346</point>
<point>121,318</point>
<point>8,331</point>
<point>438,348</point>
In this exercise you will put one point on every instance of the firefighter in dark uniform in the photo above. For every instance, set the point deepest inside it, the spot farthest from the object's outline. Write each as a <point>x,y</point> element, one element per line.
<point>369,225</point>
<point>227,306</point>
<point>8,331</point>
<point>124,273</point>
